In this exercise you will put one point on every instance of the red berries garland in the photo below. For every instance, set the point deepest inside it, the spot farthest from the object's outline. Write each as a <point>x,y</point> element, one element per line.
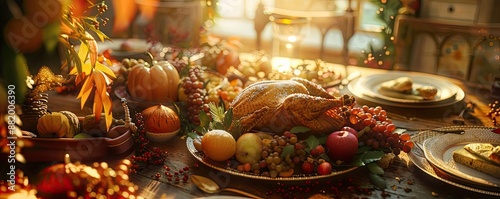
<point>144,153</point>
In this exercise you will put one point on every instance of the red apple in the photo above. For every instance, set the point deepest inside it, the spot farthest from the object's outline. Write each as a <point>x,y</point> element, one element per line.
<point>341,145</point>
<point>324,168</point>
<point>350,130</point>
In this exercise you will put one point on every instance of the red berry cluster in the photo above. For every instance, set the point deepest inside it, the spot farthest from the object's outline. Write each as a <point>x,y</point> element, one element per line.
<point>176,176</point>
<point>144,153</point>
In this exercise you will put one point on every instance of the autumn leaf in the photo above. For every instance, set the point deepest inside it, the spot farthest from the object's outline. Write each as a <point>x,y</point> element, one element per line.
<point>92,48</point>
<point>83,52</point>
<point>85,91</point>
<point>91,74</point>
<point>104,99</point>
<point>106,70</point>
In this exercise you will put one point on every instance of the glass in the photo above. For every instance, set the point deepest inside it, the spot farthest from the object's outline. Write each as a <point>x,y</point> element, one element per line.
<point>288,32</point>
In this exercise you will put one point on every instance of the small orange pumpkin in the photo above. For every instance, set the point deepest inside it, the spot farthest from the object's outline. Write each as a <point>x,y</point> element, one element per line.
<point>54,124</point>
<point>161,123</point>
<point>155,84</point>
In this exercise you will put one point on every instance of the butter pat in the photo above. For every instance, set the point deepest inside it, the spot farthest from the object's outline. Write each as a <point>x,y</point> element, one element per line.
<point>482,150</point>
<point>462,156</point>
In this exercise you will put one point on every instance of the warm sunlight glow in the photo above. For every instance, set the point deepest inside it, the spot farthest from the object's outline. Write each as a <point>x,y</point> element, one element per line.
<point>292,38</point>
<point>281,64</point>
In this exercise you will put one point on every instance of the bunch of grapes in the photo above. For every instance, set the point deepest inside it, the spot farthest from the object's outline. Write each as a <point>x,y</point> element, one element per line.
<point>280,154</point>
<point>378,130</point>
<point>197,99</point>
<point>179,63</point>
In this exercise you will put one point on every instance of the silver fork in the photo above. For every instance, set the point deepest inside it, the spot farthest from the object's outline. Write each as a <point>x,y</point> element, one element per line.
<point>459,120</point>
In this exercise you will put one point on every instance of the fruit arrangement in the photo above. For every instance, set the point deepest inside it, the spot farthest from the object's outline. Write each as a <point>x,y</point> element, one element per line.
<point>367,137</point>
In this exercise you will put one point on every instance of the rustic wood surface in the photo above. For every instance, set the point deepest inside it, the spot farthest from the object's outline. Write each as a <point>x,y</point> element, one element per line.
<point>404,180</point>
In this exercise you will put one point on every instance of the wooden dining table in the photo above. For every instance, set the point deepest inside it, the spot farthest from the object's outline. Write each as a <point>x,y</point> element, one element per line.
<point>402,177</point>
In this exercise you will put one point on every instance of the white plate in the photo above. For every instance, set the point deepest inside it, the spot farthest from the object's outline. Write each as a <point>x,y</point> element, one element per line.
<point>371,86</point>
<point>439,152</point>
<point>418,159</point>
<point>366,88</point>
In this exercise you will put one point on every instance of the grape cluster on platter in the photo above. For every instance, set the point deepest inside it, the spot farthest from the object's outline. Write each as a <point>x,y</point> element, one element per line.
<point>378,131</point>
<point>201,87</point>
<point>196,96</point>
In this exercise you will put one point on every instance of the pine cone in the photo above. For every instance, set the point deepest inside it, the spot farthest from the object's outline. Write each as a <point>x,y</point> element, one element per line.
<point>34,107</point>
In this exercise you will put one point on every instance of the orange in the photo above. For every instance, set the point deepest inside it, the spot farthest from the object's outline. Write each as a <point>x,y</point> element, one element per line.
<point>218,145</point>
<point>46,11</point>
<point>22,35</point>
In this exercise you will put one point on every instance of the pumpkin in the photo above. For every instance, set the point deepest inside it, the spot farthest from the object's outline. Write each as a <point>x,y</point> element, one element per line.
<point>155,84</point>
<point>54,124</point>
<point>161,123</point>
<point>74,123</point>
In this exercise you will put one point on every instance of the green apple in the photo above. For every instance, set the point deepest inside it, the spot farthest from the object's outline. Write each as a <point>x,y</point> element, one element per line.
<point>248,148</point>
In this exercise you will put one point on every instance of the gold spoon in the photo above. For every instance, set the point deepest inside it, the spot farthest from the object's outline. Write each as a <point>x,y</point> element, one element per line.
<point>209,186</point>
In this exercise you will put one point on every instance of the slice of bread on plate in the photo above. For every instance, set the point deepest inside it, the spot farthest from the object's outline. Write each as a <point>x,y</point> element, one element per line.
<point>476,156</point>
<point>402,84</point>
<point>495,155</point>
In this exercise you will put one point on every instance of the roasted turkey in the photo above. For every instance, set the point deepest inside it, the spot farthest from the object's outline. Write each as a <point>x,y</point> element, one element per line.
<point>279,105</point>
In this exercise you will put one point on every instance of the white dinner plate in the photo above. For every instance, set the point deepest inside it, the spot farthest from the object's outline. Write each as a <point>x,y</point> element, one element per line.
<point>439,152</point>
<point>371,86</point>
<point>367,88</point>
<point>418,159</point>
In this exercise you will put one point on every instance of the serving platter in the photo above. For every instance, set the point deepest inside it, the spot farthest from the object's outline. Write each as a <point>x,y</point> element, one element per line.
<point>368,88</point>
<point>222,166</point>
<point>418,159</point>
<point>439,152</point>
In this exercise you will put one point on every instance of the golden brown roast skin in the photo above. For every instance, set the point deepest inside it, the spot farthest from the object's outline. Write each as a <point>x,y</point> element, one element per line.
<point>279,105</point>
